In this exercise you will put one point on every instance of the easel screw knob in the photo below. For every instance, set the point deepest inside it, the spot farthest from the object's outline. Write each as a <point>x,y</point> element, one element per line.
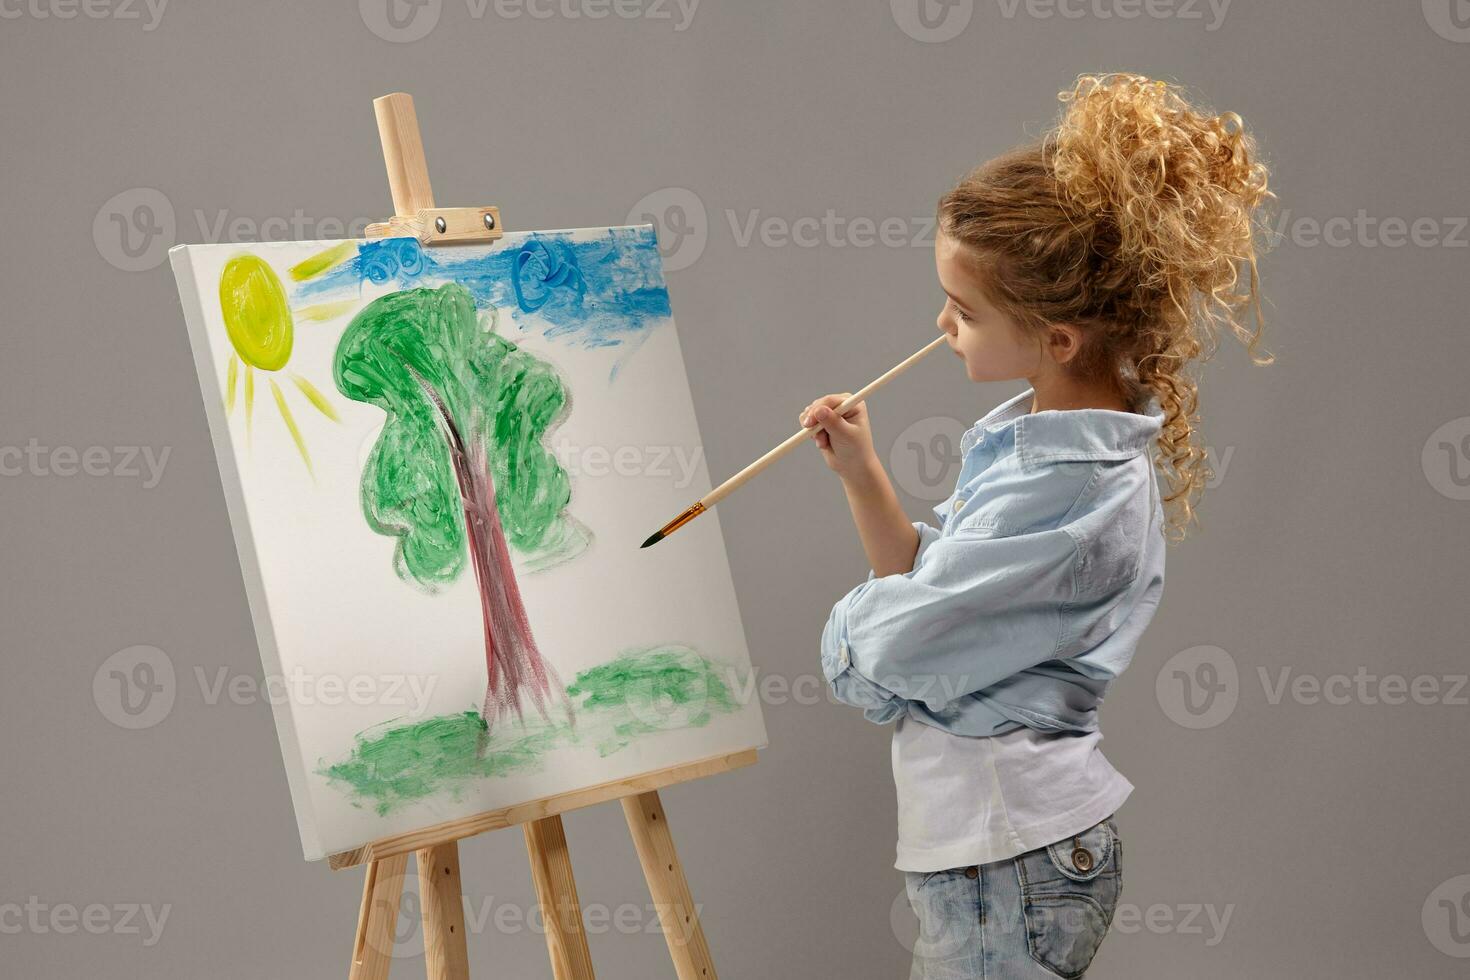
<point>440,225</point>
<point>489,221</point>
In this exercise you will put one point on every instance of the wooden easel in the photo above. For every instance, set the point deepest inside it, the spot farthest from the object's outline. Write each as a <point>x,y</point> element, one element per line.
<point>436,849</point>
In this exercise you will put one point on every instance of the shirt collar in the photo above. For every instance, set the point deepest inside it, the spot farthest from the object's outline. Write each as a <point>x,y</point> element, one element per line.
<point>1088,433</point>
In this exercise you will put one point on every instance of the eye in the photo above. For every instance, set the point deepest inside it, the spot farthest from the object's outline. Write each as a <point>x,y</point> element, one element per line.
<point>959,314</point>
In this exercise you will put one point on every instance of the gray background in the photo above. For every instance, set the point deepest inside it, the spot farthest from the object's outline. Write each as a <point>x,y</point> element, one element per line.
<point>1332,834</point>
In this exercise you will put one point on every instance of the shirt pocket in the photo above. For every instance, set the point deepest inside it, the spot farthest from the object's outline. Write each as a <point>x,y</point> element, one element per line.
<point>1069,891</point>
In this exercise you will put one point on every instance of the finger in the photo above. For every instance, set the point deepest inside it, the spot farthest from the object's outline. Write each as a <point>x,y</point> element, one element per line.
<point>832,401</point>
<point>831,421</point>
<point>807,414</point>
<point>835,402</point>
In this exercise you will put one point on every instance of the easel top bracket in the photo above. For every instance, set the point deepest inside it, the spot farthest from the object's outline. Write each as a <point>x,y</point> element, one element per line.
<point>414,213</point>
<point>443,226</point>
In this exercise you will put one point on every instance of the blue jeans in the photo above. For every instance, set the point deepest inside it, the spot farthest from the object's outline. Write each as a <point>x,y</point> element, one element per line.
<point>1040,915</point>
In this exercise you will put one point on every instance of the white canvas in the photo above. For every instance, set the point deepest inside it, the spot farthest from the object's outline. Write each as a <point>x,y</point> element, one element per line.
<point>385,676</point>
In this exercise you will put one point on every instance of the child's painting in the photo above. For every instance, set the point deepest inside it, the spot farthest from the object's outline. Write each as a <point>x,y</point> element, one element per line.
<point>439,465</point>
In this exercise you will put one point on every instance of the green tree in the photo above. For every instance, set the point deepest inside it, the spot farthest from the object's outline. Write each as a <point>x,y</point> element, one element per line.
<point>466,412</point>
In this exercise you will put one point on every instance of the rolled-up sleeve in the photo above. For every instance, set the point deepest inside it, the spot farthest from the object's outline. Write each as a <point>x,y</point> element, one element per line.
<point>976,609</point>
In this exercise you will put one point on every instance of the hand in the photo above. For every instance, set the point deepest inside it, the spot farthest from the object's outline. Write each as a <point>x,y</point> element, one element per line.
<point>845,440</point>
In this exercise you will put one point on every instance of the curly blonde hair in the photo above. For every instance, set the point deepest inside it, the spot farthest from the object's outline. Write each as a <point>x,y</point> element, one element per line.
<point>1133,219</point>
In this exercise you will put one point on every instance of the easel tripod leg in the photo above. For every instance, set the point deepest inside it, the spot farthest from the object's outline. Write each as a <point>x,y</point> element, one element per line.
<point>372,952</point>
<point>551,866</point>
<point>676,912</point>
<point>446,956</point>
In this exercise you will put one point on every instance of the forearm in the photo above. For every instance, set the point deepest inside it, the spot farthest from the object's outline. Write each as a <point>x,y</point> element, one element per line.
<point>888,536</point>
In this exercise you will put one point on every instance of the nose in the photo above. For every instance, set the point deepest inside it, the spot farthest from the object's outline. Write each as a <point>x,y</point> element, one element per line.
<point>942,323</point>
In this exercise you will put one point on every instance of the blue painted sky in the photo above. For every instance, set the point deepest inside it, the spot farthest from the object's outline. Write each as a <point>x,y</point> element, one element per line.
<point>605,292</point>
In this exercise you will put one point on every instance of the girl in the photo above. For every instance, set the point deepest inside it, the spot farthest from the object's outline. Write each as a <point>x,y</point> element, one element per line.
<point>1097,265</point>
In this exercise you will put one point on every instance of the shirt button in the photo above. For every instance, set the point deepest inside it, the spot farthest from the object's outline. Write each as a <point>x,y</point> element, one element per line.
<point>842,659</point>
<point>959,504</point>
<point>972,872</point>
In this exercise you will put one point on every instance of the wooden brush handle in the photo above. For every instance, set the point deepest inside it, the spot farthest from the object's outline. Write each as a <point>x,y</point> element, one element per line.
<point>729,486</point>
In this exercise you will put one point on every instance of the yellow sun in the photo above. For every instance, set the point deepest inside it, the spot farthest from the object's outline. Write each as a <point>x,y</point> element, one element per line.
<point>259,324</point>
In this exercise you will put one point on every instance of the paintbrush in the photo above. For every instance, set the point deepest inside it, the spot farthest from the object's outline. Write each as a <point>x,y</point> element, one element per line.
<point>729,486</point>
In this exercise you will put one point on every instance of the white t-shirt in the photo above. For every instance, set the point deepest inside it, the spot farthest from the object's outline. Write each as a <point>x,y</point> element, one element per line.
<point>969,801</point>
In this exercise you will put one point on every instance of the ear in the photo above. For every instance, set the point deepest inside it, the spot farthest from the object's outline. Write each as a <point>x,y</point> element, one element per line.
<point>1063,342</point>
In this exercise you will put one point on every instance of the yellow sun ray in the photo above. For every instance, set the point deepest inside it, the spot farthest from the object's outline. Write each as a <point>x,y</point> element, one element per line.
<point>230,383</point>
<point>319,263</point>
<point>322,312</point>
<point>249,403</point>
<point>290,421</point>
<point>316,397</point>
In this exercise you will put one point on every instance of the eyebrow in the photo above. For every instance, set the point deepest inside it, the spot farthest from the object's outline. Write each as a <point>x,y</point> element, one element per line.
<point>957,301</point>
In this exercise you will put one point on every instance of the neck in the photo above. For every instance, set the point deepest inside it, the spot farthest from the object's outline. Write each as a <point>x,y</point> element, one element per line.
<point>1063,393</point>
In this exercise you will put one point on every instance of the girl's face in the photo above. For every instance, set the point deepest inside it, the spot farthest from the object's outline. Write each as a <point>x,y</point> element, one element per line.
<point>993,346</point>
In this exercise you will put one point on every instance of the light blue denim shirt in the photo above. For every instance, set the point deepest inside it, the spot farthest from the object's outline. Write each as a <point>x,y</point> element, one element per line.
<point>1031,596</point>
